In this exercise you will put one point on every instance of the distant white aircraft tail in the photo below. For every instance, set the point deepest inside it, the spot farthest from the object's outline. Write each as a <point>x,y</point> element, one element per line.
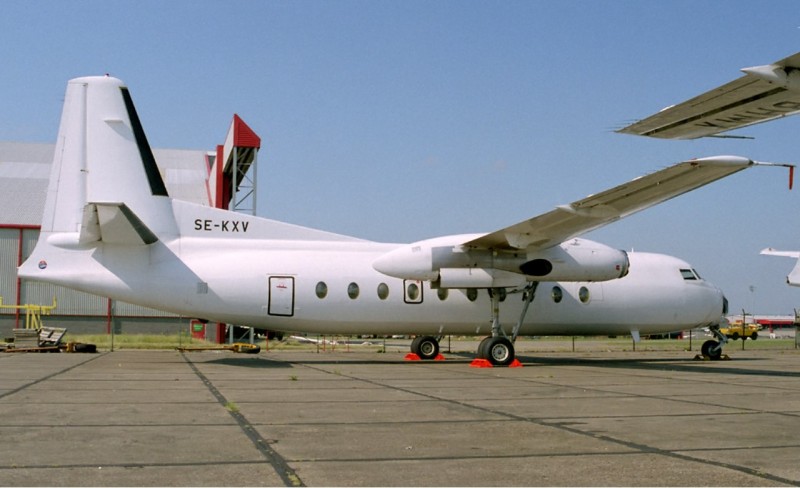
<point>792,278</point>
<point>104,182</point>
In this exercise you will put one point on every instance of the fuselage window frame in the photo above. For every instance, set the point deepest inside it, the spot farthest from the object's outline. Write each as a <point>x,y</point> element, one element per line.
<point>412,291</point>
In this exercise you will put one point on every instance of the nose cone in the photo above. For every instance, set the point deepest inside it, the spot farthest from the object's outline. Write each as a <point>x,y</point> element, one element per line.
<point>713,302</point>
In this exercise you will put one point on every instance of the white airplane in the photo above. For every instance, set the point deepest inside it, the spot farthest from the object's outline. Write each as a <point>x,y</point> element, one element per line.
<point>110,228</point>
<point>764,93</point>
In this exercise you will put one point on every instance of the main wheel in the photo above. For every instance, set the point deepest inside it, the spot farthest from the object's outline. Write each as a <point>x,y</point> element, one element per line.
<point>426,347</point>
<point>711,350</point>
<point>499,351</point>
<point>415,345</point>
<point>482,353</point>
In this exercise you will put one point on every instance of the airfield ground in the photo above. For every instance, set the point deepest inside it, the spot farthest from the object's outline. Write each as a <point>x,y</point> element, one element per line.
<point>357,417</point>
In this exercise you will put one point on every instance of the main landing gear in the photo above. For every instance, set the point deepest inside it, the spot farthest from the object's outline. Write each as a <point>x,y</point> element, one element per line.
<point>426,347</point>
<point>712,349</point>
<point>498,348</point>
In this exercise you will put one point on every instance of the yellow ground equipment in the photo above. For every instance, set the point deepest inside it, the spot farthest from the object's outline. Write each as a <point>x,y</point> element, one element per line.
<point>738,330</point>
<point>33,313</point>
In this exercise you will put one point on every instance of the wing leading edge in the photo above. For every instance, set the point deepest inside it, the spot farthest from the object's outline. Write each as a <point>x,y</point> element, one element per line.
<point>594,211</point>
<point>763,93</point>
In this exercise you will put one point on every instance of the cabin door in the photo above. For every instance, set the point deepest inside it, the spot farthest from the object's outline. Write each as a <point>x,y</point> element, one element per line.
<point>281,296</point>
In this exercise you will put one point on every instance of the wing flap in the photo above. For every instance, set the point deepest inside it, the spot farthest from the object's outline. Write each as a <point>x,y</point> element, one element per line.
<point>594,211</point>
<point>763,93</point>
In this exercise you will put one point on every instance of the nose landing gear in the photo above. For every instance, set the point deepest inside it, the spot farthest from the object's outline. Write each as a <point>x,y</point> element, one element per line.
<point>712,349</point>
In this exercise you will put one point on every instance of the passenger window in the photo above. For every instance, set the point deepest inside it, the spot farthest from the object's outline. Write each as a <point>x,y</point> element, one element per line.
<point>413,292</point>
<point>472,294</point>
<point>583,294</point>
<point>557,294</point>
<point>383,291</point>
<point>352,290</point>
<point>442,293</point>
<point>322,290</point>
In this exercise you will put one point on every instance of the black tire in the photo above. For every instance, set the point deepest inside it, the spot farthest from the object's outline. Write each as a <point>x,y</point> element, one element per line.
<point>754,335</point>
<point>482,354</point>
<point>415,345</point>
<point>499,351</point>
<point>427,347</point>
<point>89,348</point>
<point>735,336</point>
<point>708,350</point>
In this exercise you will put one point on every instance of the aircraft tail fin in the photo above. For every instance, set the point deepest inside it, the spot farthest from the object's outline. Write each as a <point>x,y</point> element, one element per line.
<point>104,180</point>
<point>793,278</point>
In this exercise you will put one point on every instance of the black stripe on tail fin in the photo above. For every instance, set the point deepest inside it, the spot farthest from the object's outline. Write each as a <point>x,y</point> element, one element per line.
<point>157,186</point>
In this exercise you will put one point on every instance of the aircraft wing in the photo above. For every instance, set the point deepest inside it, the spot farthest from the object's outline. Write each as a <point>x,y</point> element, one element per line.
<point>594,211</point>
<point>763,93</point>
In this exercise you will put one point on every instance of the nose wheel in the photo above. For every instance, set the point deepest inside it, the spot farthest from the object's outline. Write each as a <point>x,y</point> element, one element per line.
<point>712,349</point>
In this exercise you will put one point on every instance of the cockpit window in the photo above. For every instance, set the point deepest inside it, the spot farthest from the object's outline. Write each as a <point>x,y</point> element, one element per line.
<point>689,274</point>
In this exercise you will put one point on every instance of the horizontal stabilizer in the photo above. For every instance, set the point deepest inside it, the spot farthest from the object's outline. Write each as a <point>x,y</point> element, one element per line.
<point>794,277</point>
<point>774,252</point>
<point>763,93</point>
<point>114,223</point>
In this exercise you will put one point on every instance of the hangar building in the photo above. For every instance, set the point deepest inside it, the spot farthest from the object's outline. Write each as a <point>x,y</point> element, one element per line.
<point>191,175</point>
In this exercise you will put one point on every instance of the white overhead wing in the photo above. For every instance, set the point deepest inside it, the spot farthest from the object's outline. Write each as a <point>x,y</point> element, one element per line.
<point>595,211</point>
<point>763,93</point>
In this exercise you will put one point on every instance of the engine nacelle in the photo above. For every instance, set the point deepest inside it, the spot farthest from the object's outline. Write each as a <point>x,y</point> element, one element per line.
<point>576,260</point>
<point>444,259</point>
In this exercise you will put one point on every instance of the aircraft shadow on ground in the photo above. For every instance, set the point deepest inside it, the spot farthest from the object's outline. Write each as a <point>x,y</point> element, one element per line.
<point>250,362</point>
<point>663,364</point>
<point>655,364</point>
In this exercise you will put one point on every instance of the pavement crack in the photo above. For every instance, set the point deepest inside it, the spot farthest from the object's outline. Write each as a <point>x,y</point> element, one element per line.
<point>278,462</point>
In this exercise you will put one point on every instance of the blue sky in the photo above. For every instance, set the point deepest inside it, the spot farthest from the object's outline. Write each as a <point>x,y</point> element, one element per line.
<point>403,120</point>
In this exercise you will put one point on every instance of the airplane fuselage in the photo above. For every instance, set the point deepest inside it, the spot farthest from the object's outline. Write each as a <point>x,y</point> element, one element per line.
<point>331,287</point>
